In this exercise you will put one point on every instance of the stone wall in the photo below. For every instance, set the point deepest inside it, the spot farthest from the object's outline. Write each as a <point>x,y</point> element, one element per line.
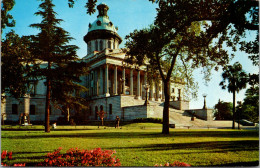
<point>180,105</point>
<point>24,107</point>
<point>133,112</point>
<point>205,114</point>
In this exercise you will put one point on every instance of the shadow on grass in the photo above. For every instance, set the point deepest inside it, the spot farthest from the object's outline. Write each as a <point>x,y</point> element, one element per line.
<point>216,146</point>
<point>125,135</point>
<point>252,163</point>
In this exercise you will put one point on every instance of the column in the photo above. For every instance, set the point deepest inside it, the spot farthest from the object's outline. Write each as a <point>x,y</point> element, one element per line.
<point>151,91</point>
<point>145,83</point>
<point>170,91</point>
<point>163,97</point>
<point>115,80</point>
<point>91,83</point>
<point>131,82</point>
<point>101,89</point>
<point>27,104</point>
<point>123,76</point>
<point>157,90</point>
<point>138,86</point>
<point>97,82</point>
<point>145,78</point>
<point>106,81</point>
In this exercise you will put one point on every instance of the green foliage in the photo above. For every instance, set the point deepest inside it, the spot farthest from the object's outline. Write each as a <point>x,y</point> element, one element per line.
<point>7,19</point>
<point>250,107</point>
<point>236,77</point>
<point>15,65</point>
<point>223,110</point>
<point>62,67</point>
<point>90,5</point>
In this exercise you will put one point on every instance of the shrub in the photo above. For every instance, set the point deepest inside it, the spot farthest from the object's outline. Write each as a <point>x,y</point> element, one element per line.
<point>174,164</point>
<point>145,120</point>
<point>78,157</point>
<point>9,154</point>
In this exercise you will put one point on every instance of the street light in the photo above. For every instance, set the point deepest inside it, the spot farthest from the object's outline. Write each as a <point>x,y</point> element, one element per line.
<point>146,87</point>
<point>204,95</point>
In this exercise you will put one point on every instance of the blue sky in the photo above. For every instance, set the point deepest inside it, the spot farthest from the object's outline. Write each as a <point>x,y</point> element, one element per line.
<point>127,15</point>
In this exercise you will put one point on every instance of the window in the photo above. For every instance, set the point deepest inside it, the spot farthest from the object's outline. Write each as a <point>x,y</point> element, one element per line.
<point>172,90</point>
<point>110,108</point>
<point>96,47</point>
<point>96,110</point>
<point>90,111</point>
<point>109,44</point>
<point>14,108</point>
<point>32,88</point>
<point>179,94</point>
<point>32,109</point>
<point>99,23</point>
<point>101,108</point>
<point>101,45</point>
<point>89,47</point>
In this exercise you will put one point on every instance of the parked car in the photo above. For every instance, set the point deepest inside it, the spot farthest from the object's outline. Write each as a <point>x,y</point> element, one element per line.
<point>245,122</point>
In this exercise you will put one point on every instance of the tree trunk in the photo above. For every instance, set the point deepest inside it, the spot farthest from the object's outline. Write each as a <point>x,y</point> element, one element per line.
<point>102,121</point>
<point>234,109</point>
<point>47,107</point>
<point>166,109</point>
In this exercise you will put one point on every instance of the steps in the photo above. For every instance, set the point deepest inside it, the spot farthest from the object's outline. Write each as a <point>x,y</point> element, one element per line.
<point>182,119</point>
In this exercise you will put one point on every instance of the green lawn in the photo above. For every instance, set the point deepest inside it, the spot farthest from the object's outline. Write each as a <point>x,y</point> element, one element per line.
<point>139,144</point>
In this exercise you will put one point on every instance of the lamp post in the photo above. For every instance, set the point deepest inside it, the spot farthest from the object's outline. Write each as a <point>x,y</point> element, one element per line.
<point>204,95</point>
<point>146,87</point>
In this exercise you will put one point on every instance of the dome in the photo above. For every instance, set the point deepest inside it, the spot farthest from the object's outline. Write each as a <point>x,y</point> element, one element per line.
<point>102,23</point>
<point>102,27</point>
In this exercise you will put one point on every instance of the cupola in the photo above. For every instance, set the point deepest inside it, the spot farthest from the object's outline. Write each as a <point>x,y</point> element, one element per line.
<point>102,33</point>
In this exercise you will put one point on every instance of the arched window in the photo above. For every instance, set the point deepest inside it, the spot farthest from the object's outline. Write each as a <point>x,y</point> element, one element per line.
<point>96,47</point>
<point>14,108</point>
<point>101,108</point>
<point>96,110</point>
<point>32,110</point>
<point>101,45</point>
<point>109,45</point>
<point>89,47</point>
<point>110,109</point>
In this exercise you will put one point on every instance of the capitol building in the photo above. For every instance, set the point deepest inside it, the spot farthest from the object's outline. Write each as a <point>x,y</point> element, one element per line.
<point>114,86</point>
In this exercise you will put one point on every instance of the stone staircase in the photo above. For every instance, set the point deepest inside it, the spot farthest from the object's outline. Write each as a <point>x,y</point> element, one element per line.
<point>182,119</point>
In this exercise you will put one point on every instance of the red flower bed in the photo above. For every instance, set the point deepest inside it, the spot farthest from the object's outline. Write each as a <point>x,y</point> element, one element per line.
<point>78,157</point>
<point>175,164</point>
<point>9,154</point>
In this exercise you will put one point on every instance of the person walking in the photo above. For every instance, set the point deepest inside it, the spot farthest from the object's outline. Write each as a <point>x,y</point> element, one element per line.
<point>117,122</point>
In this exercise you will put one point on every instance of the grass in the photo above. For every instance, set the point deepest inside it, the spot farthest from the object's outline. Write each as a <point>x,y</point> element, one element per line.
<point>138,144</point>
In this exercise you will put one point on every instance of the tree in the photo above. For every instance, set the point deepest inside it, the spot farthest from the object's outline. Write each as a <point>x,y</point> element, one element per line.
<point>194,31</point>
<point>102,115</point>
<point>250,107</point>
<point>237,79</point>
<point>7,19</point>
<point>15,67</point>
<point>15,57</point>
<point>62,69</point>
<point>223,110</point>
